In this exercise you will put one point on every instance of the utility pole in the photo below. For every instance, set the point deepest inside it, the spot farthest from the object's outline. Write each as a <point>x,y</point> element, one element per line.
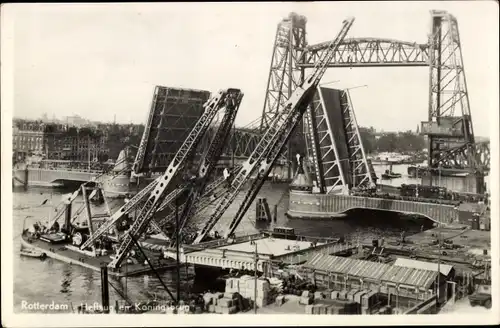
<point>255,281</point>
<point>104,289</point>
<point>439,265</point>
<point>88,145</point>
<point>177,237</point>
<point>233,144</point>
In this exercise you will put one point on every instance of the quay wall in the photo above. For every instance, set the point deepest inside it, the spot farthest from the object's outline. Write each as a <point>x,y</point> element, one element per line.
<point>329,206</point>
<point>44,177</point>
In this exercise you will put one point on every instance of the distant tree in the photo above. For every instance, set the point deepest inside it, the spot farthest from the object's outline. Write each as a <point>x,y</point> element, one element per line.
<point>387,142</point>
<point>368,139</point>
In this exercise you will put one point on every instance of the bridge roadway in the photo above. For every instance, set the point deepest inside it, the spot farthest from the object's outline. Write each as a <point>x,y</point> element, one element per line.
<point>33,176</point>
<point>323,206</point>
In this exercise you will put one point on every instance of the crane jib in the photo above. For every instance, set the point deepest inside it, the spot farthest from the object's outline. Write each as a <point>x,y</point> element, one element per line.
<point>281,126</point>
<point>229,99</point>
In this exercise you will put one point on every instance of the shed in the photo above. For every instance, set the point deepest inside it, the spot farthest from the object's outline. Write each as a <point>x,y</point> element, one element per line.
<point>400,275</point>
<point>347,266</point>
<point>445,269</point>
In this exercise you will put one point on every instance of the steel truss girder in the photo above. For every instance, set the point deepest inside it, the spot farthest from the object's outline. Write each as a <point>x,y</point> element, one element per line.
<point>211,193</point>
<point>172,115</point>
<point>361,175</point>
<point>284,74</point>
<point>272,143</point>
<point>228,99</point>
<point>483,155</point>
<point>327,154</point>
<point>313,142</point>
<point>370,52</point>
<point>242,143</point>
<point>208,164</point>
<point>448,97</point>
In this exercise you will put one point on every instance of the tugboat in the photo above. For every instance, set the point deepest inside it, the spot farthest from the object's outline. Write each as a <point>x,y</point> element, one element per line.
<point>389,174</point>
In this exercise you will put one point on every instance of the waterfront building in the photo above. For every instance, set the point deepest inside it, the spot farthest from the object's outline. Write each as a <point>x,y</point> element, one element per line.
<point>26,140</point>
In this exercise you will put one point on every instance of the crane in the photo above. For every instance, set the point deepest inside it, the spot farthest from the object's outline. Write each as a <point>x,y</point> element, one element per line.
<point>230,99</point>
<point>208,163</point>
<point>273,141</point>
<point>212,192</point>
<point>155,192</point>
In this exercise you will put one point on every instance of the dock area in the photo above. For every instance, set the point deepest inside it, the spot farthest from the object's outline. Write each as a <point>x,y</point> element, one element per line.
<point>244,252</point>
<point>67,254</point>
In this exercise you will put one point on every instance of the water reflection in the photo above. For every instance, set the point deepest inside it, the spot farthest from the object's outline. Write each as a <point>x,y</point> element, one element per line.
<point>66,281</point>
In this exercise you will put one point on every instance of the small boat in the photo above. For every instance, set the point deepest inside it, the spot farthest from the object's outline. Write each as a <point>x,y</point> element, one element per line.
<point>33,253</point>
<point>388,174</point>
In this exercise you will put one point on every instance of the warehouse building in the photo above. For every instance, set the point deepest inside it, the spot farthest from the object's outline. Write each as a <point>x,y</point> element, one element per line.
<point>402,285</point>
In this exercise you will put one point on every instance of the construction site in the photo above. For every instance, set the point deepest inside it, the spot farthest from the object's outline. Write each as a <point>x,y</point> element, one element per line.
<point>307,137</point>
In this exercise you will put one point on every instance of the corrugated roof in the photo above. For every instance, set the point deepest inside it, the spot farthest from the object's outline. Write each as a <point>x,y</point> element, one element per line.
<point>445,269</point>
<point>405,275</point>
<point>409,276</point>
<point>344,265</point>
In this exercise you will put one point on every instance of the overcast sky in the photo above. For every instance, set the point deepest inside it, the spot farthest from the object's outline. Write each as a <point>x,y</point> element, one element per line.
<point>99,61</point>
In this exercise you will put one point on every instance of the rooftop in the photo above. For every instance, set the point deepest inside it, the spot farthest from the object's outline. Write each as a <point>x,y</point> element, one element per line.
<point>404,275</point>
<point>269,246</point>
<point>445,269</point>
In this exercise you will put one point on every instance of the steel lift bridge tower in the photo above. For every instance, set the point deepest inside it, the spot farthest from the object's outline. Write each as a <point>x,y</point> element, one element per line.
<point>451,145</point>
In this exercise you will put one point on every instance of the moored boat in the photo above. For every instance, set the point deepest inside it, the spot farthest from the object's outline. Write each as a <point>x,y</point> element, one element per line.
<point>33,253</point>
<point>390,175</point>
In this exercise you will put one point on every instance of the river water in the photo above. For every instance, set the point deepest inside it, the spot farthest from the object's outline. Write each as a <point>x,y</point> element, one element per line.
<point>51,280</point>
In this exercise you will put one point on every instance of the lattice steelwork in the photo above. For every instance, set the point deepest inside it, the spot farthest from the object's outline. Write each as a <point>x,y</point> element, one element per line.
<point>339,151</point>
<point>243,142</point>
<point>284,75</point>
<point>329,172</point>
<point>172,116</point>
<point>450,132</point>
<point>370,52</point>
<point>272,143</point>
<point>361,175</point>
<point>451,137</point>
<point>314,141</point>
<point>229,99</point>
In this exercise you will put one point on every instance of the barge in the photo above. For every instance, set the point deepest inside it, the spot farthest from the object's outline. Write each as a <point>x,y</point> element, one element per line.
<point>59,248</point>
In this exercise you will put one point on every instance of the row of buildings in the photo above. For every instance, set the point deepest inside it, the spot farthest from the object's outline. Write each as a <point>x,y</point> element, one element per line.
<point>56,141</point>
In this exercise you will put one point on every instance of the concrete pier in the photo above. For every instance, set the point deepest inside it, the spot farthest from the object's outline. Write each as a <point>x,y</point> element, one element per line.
<point>303,205</point>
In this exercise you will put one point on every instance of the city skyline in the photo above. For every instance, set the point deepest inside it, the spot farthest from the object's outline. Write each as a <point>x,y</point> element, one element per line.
<point>109,63</point>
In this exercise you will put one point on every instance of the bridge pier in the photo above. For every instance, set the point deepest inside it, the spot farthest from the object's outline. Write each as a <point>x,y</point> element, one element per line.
<point>326,206</point>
